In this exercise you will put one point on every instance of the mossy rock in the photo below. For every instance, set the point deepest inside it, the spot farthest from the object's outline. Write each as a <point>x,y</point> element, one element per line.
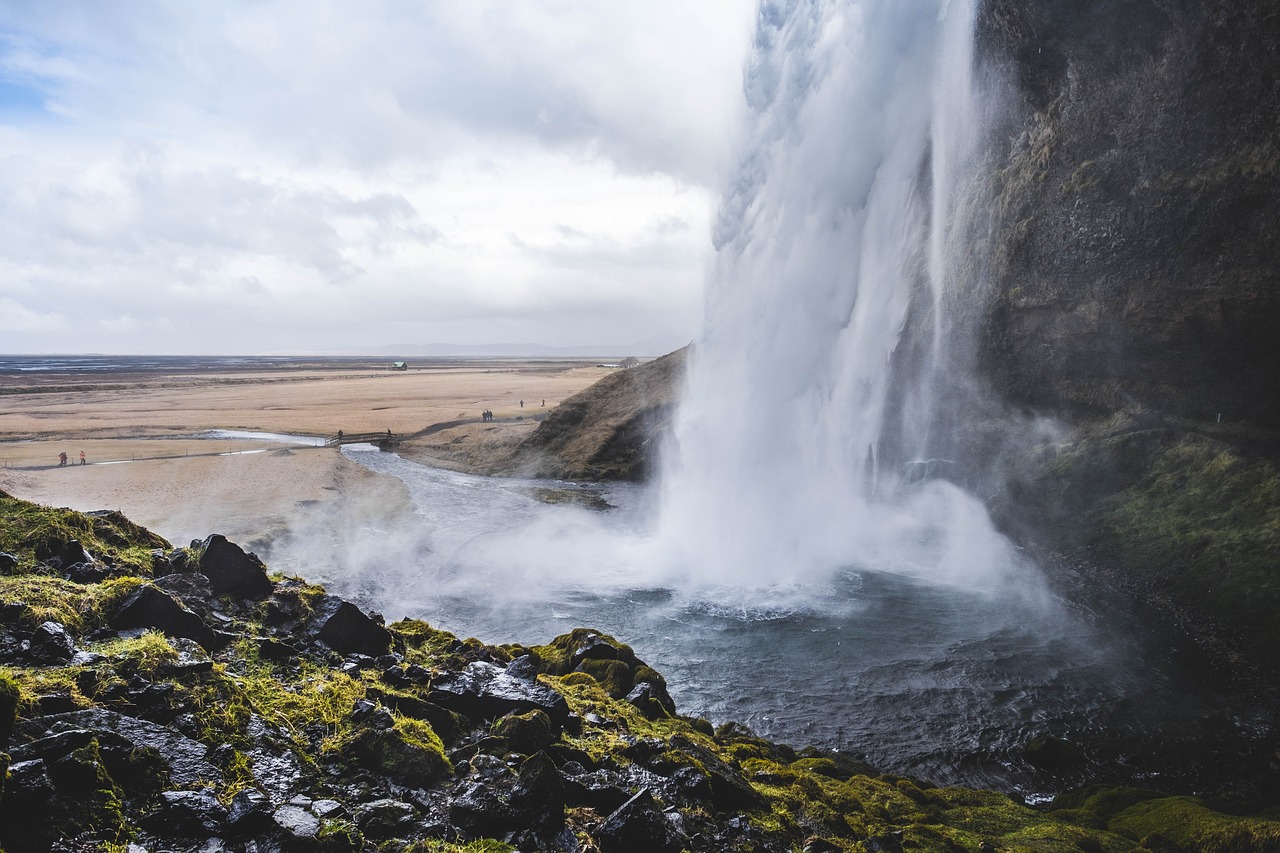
<point>614,676</point>
<point>409,753</point>
<point>9,696</point>
<point>1191,824</point>
<point>526,733</point>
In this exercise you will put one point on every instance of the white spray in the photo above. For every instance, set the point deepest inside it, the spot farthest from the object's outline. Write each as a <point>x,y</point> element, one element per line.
<point>862,124</point>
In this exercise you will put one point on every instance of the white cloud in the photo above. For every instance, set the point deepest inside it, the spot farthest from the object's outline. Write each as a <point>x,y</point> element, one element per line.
<point>311,175</point>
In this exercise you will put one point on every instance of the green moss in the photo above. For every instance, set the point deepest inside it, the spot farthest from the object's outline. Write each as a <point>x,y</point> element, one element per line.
<point>1208,521</point>
<point>483,845</point>
<point>614,676</point>
<point>1191,824</point>
<point>76,606</point>
<point>25,526</point>
<point>9,696</point>
<point>526,733</point>
<point>339,836</point>
<point>556,657</point>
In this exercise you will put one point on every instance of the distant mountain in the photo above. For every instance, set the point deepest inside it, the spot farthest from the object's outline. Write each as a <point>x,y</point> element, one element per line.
<point>652,347</point>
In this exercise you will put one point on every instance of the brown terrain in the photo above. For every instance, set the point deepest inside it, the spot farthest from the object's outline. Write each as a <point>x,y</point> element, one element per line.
<point>139,434</point>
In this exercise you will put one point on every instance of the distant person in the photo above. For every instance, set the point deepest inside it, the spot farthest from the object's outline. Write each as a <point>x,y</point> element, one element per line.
<point>81,457</point>
<point>544,403</point>
<point>62,459</point>
<point>339,436</point>
<point>522,404</point>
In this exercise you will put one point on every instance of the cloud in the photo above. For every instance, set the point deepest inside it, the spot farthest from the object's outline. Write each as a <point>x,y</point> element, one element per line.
<point>338,167</point>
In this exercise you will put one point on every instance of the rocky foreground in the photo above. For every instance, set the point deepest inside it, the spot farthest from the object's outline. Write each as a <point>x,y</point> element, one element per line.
<point>162,699</point>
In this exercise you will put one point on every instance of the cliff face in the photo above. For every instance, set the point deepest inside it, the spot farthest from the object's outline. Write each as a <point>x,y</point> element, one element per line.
<point>1133,292</point>
<point>1133,252</point>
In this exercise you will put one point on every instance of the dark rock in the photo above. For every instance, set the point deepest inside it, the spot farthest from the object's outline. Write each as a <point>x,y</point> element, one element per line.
<point>386,752</point>
<point>150,607</point>
<point>483,807</point>
<point>86,573</point>
<point>540,793</point>
<point>61,552</point>
<point>526,733</point>
<point>27,808</point>
<point>250,813</point>
<point>297,821</point>
<point>8,562</point>
<point>184,758</point>
<point>192,660</point>
<point>383,818</point>
<point>1051,753</point>
<point>231,571</point>
<point>55,703</point>
<point>273,649</point>
<point>51,643</point>
<point>328,809</point>
<point>187,814</point>
<point>191,588</point>
<point>345,628</point>
<point>638,826</point>
<point>596,790</point>
<point>487,690</point>
<point>644,698</point>
<point>52,746</point>
<point>596,647</point>
<point>730,791</point>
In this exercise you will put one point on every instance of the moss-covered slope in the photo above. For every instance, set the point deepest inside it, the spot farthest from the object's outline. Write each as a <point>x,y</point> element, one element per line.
<point>297,722</point>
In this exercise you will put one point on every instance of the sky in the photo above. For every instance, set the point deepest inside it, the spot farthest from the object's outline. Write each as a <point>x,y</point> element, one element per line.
<point>311,176</point>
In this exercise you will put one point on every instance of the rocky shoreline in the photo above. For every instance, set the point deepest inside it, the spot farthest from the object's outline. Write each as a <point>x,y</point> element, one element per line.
<point>161,699</point>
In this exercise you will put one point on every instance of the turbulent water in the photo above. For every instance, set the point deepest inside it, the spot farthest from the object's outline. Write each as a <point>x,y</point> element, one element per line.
<point>923,678</point>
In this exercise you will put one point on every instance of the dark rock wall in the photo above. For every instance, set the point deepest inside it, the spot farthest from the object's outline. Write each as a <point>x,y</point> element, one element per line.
<point>1133,254</point>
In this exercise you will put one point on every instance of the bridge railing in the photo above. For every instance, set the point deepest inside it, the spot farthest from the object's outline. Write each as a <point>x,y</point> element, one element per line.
<point>363,438</point>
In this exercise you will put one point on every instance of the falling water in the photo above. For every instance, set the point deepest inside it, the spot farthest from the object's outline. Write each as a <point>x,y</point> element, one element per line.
<point>838,230</point>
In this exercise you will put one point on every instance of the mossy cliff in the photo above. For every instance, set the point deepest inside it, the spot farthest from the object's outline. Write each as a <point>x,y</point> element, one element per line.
<point>1130,293</point>
<point>140,709</point>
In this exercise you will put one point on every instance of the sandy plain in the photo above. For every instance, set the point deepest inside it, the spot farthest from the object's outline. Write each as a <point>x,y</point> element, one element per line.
<point>138,431</point>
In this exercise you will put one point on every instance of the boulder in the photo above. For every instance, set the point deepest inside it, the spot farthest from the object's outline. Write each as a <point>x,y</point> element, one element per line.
<point>58,553</point>
<point>540,794</point>
<point>8,562</point>
<point>184,758</point>
<point>346,629</point>
<point>643,697</point>
<point>50,643</point>
<point>638,826</point>
<point>250,813</point>
<point>381,818</point>
<point>526,733</point>
<point>231,571</point>
<point>297,821</point>
<point>150,607</point>
<point>487,690</point>
<point>187,814</point>
<point>730,790</point>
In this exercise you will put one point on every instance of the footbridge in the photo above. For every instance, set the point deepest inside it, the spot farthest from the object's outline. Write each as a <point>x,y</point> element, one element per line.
<point>382,440</point>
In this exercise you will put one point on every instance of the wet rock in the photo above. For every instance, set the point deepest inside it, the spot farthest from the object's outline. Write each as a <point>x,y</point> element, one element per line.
<point>86,573</point>
<point>191,588</point>
<point>643,697</point>
<point>150,607</point>
<point>270,648</point>
<point>328,809</point>
<point>597,790</point>
<point>386,752</point>
<point>596,647</point>
<point>187,814</point>
<point>27,807</point>
<point>297,821</point>
<point>8,562</point>
<point>50,643</point>
<point>184,758</point>
<point>345,628</point>
<point>487,690</point>
<point>483,807</point>
<point>526,733</point>
<point>639,826</point>
<point>540,794</point>
<point>231,571</point>
<point>1051,753</point>
<point>730,791</point>
<point>275,766</point>
<point>58,553</point>
<point>383,818</point>
<point>192,660</point>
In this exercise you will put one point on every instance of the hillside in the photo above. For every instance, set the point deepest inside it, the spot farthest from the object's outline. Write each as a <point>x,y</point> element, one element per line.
<point>183,699</point>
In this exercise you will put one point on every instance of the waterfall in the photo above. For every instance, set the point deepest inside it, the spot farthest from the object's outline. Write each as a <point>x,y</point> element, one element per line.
<point>836,243</point>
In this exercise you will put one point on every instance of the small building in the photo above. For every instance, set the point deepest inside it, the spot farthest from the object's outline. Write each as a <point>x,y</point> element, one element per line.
<point>399,365</point>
